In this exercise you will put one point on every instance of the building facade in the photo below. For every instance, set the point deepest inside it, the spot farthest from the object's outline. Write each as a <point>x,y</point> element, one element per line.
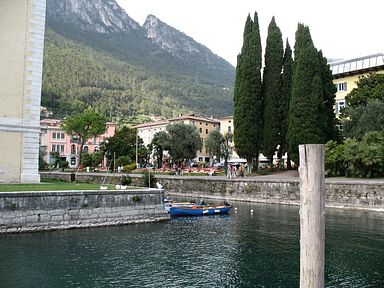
<point>203,125</point>
<point>346,74</point>
<point>22,27</point>
<point>54,139</point>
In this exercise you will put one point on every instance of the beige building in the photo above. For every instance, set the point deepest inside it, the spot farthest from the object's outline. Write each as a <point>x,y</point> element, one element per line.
<point>346,74</point>
<point>22,24</point>
<point>204,126</point>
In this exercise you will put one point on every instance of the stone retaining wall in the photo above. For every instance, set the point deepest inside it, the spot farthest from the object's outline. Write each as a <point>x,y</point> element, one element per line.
<point>39,211</point>
<point>353,193</point>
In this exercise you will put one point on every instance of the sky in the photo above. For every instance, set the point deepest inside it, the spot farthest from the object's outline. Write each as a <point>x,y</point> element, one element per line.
<point>342,29</point>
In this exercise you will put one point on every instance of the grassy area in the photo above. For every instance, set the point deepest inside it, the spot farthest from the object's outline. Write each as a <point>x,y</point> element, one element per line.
<point>51,185</point>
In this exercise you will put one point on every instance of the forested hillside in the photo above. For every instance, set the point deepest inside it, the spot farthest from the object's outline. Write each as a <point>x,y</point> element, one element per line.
<point>122,74</point>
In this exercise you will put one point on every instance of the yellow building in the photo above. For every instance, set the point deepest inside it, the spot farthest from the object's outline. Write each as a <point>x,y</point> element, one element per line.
<point>346,74</point>
<point>22,26</point>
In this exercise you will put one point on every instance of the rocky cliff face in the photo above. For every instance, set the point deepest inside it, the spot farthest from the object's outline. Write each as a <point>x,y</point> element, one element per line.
<point>102,16</point>
<point>168,38</point>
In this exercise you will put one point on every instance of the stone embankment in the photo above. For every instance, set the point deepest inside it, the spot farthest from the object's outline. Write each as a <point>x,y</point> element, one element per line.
<point>283,188</point>
<point>51,210</point>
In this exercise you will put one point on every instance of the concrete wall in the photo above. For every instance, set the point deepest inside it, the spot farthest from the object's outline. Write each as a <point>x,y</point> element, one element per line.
<point>40,211</point>
<point>353,193</point>
<point>22,25</point>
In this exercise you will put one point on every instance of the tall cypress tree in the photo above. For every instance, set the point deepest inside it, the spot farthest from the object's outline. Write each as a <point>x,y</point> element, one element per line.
<point>248,102</point>
<point>307,120</point>
<point>272,89</point>
<point>332,132</point>
<point>284,101</point>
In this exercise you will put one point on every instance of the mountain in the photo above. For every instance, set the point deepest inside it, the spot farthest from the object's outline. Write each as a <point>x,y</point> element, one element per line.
<point>96,55</point>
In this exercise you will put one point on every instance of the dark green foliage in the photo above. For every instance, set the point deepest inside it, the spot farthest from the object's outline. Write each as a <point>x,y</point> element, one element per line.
<point>123,143</point>
<point>183,141</point>
<point>365,158</point>
<point>123,160</point>
<point>307,113</point>
<point>91,159</point>
<point>149,179</point>
<point>248,112</point>
<point>331,129</point>
<point>76,76</point>
<point>334,159</point>
<point>214,144</point>
<point>158,145</point>
<point>85,125</point>
<point>272,82</point>
<point>284,100</point>
<point>368,88</point>
<point>125,180</point>
<point>363,119</point>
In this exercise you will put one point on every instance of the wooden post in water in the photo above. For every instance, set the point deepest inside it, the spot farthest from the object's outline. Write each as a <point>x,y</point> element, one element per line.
<point>312,215</point>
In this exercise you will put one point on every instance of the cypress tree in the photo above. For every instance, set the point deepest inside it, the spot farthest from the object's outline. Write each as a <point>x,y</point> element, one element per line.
<point>248,102</point>
<point>284,101</point>
<point>307,120</point>
<point>272,89</point>
<point>331,131</point>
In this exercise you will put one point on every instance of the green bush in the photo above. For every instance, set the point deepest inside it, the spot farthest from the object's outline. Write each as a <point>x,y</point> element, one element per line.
<point>123,160</point>
<point>129,167</point>
<point>149,177</point>
<point>125,180</point>
<point>334,159</point>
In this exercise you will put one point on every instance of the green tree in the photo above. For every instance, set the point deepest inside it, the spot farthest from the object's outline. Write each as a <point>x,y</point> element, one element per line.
<point>214,144</point>
<point>368,88</point>
<point>227,149</point>
<point>272,82</point>
<point>158,144</point>
<point>248,102</point>
<point>122,143</point>
<point>284,102</point>
<point>365,158</point>
<point>365,104</point>
<point>85,126</point>
<point>331,129</point>
<point>363,119</point>
<point>334,159</point>
<point>307,119</point>
<point>183,142</point>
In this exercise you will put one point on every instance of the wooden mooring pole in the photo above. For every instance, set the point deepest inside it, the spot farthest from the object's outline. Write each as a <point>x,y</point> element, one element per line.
<point>312,215</point>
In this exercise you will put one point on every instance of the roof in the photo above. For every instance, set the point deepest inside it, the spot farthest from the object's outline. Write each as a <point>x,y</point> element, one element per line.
<point>152,124</point>
<point>194,117</point>
<point>357,65</point>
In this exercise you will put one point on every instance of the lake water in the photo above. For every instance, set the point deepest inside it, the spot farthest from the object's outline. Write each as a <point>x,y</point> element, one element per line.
<point>237,250</point>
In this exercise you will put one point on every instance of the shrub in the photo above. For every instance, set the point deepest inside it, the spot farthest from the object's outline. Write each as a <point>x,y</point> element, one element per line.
<point>125,180</point>
<point>149,178</point>
<point>129,167</point>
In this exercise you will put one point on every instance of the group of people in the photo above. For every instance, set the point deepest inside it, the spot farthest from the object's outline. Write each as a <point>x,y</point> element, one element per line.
<point>233,171</point>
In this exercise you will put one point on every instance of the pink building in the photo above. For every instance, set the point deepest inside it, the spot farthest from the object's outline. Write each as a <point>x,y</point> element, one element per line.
<point>54,139</point>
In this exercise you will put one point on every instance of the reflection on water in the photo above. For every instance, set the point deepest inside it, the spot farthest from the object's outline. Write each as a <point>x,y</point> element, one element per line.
<point>236,250</point>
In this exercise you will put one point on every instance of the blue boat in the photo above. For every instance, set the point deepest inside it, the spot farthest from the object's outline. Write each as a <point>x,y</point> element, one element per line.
<point>198,210</point>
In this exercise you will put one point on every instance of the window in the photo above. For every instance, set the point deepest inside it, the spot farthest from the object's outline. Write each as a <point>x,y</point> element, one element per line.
<point>229,128</point>
<point>339,106</point>
<point>53,135</point>
<point>61,148</point>
<point>341,86</point>
<point>62,135</point>
<point>201,130</point>
<point>206,131</point>
<point>53,148</point>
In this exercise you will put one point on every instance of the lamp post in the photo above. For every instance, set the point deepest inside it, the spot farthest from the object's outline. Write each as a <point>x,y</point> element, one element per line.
<point>137,140</point>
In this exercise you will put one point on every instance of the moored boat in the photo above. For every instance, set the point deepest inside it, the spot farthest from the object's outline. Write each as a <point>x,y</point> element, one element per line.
<point>198,210</point>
